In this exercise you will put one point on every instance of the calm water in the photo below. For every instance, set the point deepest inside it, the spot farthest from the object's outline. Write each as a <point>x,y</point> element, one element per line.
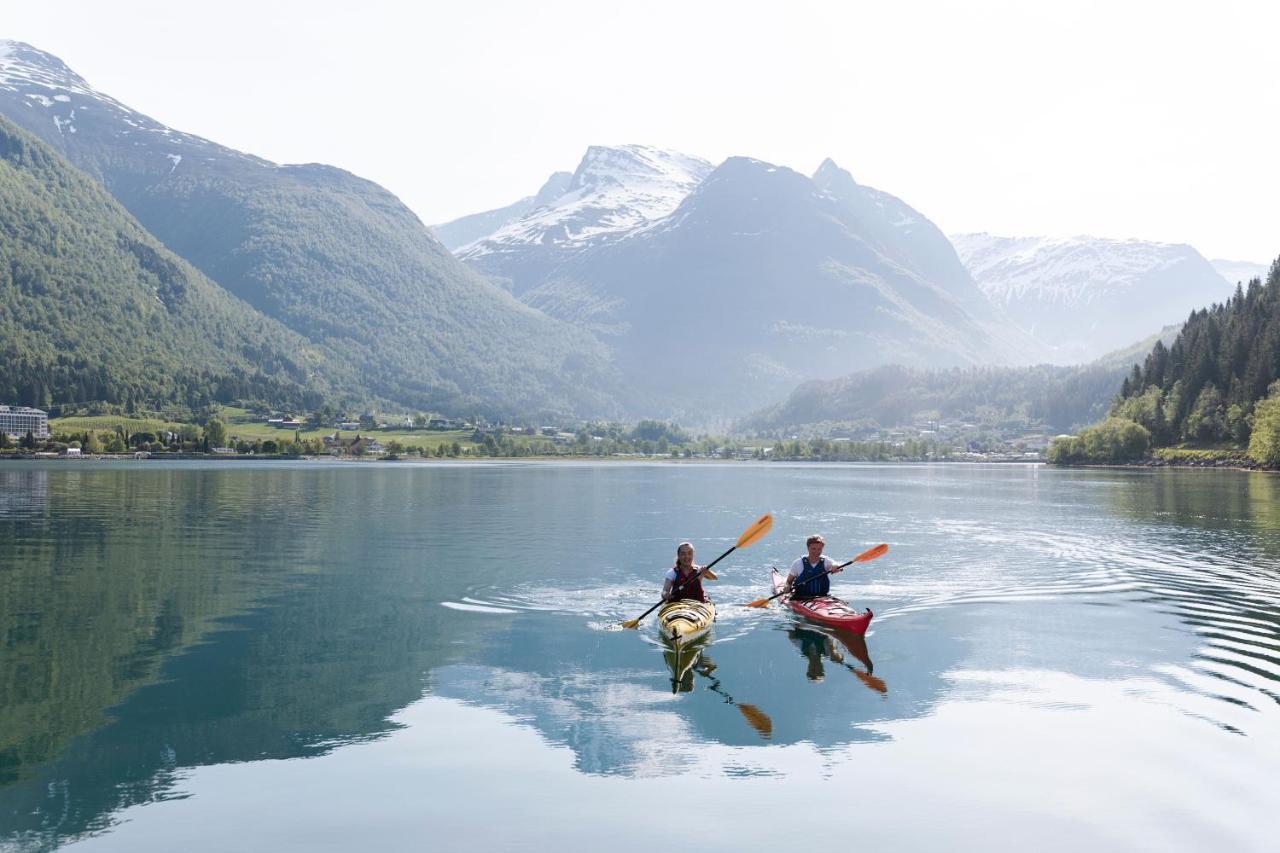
<point>330,657</point>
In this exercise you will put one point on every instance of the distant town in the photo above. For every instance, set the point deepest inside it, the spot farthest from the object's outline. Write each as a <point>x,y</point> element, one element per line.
<point>27,432</point>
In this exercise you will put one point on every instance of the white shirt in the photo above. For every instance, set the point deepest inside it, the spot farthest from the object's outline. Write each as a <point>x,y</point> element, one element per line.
<point>824,563</point>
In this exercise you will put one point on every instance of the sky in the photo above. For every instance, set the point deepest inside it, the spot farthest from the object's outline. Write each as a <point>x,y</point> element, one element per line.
<point>1155,121</point>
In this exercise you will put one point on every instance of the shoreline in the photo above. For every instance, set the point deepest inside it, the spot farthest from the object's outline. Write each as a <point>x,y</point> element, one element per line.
<point>229,458</point>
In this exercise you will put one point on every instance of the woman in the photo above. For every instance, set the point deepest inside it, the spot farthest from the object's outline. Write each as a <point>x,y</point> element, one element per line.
<point>684,579</point>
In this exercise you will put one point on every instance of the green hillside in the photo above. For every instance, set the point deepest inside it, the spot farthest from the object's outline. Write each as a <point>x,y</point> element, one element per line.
<point>335,258</point>
<point>96,309</point>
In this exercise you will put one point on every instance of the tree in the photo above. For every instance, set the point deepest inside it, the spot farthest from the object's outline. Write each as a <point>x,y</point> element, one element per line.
<point>1264,442</point>
<point>4,440</point>
<point>215,433</point>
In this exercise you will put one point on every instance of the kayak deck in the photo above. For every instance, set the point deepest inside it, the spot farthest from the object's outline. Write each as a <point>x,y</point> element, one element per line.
<point>682,622</point>
<point>825,609</point>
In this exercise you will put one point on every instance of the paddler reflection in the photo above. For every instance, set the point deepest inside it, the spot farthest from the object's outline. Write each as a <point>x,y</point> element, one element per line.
<point>816,645</point>
<point>683,663</point>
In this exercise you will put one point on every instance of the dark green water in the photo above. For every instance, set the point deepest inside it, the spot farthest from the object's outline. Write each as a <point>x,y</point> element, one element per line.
<point>369,656</point>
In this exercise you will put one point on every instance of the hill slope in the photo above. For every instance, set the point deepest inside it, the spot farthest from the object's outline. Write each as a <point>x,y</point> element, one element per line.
<point>335,258</point>
<point>95,309</point>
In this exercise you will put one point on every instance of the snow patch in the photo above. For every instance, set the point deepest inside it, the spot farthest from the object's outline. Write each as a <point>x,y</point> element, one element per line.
<point>614,192</point>
<point>175,159</point>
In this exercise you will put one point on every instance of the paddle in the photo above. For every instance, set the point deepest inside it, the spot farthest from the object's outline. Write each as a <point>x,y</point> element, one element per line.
<point>869,554</point>
<point>756,531</point>
<point>757,719</point>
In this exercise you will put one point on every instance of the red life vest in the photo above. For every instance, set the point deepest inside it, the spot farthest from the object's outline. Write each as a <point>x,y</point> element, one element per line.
<point>691,589</point>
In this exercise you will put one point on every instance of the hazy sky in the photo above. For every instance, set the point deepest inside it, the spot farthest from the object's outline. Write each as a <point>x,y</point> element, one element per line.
<point>1152,120</point>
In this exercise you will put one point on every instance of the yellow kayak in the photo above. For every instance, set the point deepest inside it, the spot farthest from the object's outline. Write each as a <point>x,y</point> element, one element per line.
<point>682,622</point>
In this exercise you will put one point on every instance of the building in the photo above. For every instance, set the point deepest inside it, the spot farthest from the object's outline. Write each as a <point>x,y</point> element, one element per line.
<point>17,421</point>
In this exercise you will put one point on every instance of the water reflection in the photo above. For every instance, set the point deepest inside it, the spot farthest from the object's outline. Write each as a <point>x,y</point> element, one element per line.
<point>23,491</point>
<point>815,644</point>
<point>163,619</point>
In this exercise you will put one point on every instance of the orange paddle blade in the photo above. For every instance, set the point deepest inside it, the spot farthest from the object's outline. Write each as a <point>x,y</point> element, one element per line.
<point>871,553</point>
<point>756,531</point>
<point>757,719</point>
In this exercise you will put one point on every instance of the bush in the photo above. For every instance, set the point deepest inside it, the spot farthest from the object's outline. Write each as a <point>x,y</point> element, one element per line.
<point>1115,440</point>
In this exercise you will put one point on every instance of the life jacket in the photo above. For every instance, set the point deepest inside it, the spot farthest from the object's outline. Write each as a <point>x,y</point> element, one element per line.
<point>808,584</point>
<point>691,589</point>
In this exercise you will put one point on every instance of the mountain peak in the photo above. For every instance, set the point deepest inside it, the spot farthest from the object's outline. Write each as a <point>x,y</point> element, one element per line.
<point>615,191</point>
<point>554,187</point>
<point>631,164</point>
<point>21,64</point>
<point>829,172</point>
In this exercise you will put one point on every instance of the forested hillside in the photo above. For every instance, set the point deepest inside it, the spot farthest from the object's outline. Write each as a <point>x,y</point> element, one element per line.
<point>336,258</point>
<point>1205,386</point>
<point>93,308</point>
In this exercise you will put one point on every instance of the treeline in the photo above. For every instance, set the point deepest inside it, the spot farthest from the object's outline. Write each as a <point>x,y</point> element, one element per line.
<point>1215,386</point>
<point>1204,388</point>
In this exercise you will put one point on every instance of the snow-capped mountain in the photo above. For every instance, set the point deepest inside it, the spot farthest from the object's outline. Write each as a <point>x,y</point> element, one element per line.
<point>60,106</point>
<point>613,193</point>
<point>762,278</point>
<point>476,226</point>
<point>1086,296</point>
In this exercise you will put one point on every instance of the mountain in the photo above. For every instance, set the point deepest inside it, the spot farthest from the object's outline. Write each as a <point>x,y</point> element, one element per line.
<point>468,229</point>
<point>1085,296</point>
<point>95,309</point>
<point>613,193</point>
<point>1239,272</point>
<point>758,279</point>
<point>1056,397</point>
<point>335,258</point>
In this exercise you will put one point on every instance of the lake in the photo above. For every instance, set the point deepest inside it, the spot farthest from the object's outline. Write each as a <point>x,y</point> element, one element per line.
<point>312,656</point>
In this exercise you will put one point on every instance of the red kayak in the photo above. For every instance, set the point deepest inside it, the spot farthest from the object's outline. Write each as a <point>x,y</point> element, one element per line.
<point>825,610</point>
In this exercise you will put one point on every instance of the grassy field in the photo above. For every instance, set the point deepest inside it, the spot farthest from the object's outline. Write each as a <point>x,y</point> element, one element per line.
<point>108,423</point>
<point>242,424</point>
<point>1192,454</point>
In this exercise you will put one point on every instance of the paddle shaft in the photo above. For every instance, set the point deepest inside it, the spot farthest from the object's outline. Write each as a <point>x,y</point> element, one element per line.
<point>696,575</point>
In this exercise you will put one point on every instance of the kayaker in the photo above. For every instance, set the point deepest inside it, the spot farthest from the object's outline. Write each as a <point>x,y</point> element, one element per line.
<point>680,581</point>
<point>805,580</point>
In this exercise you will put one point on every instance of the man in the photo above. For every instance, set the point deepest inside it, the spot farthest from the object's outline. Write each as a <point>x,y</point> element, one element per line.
<point>806,578</point>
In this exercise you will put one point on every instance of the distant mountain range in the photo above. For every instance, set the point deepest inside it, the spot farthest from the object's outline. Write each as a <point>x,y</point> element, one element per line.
<point>1059,398</point>
<point>1240,272</point>
<point>717,287</point>
<point>1085,296</point>
<point>645,283</point>
<point>334,258</point>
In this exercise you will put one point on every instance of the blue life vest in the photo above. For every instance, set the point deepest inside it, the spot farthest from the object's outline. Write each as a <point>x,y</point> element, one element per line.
<point>808,584</point>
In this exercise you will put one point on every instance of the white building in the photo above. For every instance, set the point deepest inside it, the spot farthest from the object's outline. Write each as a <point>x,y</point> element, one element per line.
<point>17,421</point>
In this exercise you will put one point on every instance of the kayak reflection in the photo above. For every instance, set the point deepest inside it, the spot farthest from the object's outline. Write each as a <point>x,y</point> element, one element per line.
<point>691,659</point>
<point>817,644</point>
